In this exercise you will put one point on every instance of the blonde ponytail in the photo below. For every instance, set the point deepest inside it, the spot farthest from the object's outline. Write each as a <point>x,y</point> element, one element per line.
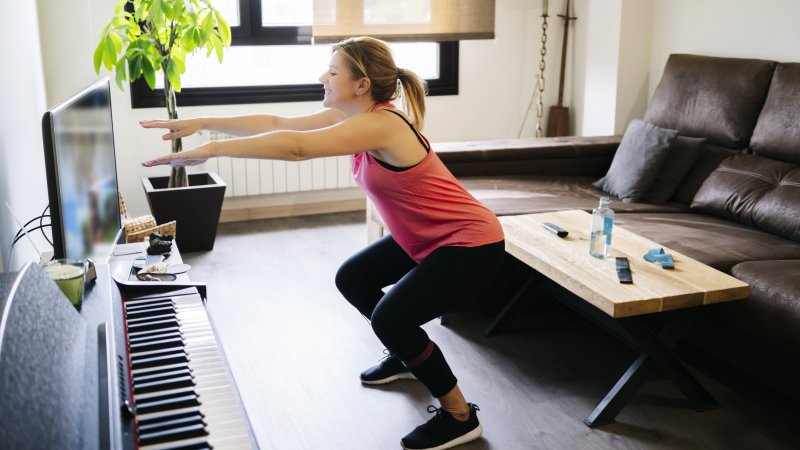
<point>372,58</point>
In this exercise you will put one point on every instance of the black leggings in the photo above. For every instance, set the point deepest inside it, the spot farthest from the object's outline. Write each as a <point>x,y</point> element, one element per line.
<point>447,277</point>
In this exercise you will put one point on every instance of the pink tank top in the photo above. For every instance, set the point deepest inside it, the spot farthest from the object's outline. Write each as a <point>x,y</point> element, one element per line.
<point>425,207</point>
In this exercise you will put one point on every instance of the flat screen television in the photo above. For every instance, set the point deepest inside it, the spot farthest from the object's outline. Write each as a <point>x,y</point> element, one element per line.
<point>82,174</point>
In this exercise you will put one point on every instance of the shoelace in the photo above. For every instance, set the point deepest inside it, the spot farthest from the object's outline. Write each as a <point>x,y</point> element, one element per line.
<point>387,355</point>
<point>434,410</point>
<point>439,411</point>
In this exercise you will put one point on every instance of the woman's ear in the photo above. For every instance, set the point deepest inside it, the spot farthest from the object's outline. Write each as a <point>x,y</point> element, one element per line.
<point>364,84</point>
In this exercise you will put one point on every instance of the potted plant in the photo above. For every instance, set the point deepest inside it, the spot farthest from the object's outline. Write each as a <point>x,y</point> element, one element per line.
<point>146,37</point>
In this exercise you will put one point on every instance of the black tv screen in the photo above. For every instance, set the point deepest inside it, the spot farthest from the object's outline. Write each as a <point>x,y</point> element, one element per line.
<point>82,174</point>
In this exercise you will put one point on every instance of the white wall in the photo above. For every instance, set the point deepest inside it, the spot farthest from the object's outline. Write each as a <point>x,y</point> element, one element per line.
<point>767,29</point>
<point>22,181</point>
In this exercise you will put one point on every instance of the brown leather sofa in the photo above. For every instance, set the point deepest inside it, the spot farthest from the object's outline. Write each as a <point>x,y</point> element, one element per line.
<point>738,208</point>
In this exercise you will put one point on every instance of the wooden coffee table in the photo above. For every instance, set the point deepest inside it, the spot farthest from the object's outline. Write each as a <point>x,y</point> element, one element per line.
<point>564,269</point>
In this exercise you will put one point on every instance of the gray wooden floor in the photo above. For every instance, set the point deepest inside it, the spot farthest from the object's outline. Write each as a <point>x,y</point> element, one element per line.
<point>296,348</point>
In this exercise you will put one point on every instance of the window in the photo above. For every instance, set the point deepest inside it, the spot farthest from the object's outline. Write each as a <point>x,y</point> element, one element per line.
<point>271,59</point>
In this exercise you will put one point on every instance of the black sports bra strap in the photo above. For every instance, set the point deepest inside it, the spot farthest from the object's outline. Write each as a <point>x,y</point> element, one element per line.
<point>419,138</point>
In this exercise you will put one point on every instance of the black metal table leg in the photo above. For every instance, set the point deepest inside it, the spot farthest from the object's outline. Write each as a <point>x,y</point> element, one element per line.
<point>514,306</point>
<point>662,355</point>
<point>619,395</point>
<point>656,348</point>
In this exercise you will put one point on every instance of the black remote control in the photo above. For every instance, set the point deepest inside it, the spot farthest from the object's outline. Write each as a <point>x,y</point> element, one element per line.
<point>555,229</point>
<point>624,270</point>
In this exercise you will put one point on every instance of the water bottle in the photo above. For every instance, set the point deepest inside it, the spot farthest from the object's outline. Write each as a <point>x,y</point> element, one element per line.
<point>602,223</point>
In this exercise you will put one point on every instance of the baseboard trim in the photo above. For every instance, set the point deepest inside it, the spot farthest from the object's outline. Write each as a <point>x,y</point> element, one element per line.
<point>243,209</point>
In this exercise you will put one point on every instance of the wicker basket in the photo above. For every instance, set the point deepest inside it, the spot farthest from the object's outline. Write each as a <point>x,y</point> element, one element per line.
<point>136,225</point>
<point>141,235</point>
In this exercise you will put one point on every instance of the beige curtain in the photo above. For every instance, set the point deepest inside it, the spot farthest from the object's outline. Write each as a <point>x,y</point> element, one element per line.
<point>403,20</point>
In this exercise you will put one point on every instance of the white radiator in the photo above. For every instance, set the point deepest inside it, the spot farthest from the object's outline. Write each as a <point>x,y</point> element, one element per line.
<point>261,189</point>
<point>248,177</point>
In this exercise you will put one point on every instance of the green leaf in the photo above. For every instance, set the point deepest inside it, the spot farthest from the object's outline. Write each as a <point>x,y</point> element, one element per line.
<point>139,10</point>
<point>149,75</point>
<point>208,24</point>
<point>120,8</point>
<point>174,76</point>
<point>120,72</point>
<point>98,57</point>
<point>109,52</point>
<point>187,41</point>
<point>219,48</point>
<point>177,10</point>
<point>157,14</point>
<point>224,29</point>
<point>135,65</point>
<point>179,58</point>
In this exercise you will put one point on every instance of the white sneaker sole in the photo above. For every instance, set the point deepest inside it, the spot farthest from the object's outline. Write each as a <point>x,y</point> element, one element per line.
<point>399,376</point>
<point>463,439</point>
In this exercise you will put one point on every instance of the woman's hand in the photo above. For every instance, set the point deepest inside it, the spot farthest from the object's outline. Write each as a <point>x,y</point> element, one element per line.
<point>192,157</point>
<point>178,127</point>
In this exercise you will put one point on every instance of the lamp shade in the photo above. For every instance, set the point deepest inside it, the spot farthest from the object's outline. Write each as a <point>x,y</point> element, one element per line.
<point>411,20</point>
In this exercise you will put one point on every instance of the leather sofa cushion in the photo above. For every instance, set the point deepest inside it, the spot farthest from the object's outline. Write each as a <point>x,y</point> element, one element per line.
<point>754,191</point>
<point>777,132</point>
<point>709,158</point>
<point>758,336</point>
<point>641,155</point>
<point>773,304</point>
<point>717,242</point>
<point>711,97</point>
<point>568,156</point>
<point>683,153</point>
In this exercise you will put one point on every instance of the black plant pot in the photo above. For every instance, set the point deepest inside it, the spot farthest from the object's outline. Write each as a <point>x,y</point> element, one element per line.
<point>196,208</point>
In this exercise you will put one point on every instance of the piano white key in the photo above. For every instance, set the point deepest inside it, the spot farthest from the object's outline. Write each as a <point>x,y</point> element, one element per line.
<point>222,411</point>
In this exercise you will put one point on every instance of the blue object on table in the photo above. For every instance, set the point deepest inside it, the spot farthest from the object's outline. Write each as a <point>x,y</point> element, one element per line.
<point>657,255</point>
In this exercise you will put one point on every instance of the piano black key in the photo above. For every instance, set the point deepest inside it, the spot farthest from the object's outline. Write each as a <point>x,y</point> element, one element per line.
<point>171,358</point>
<point>164,334</point>
<point>172,434</point>
<point>186,444</point>
<point>153,318</point>
<point>154,325</point>
<point>166,402</point>
<point>159,369</point>
<point>151,353</point>
<point>151,301</point>
<point>164,384</point>
<point>145,312</point>
<point>154,423</point>
<point>152,334</point>
<point>158,375</point>
<point>155,344</point>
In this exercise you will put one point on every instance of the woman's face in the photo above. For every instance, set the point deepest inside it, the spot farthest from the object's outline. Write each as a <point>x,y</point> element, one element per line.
<point>340,88</point>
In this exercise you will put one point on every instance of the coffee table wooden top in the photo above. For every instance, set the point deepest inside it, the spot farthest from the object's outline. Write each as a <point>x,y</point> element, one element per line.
<point>567,262</point>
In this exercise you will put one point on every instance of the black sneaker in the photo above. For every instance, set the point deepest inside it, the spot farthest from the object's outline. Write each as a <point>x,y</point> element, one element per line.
<point>389,369</point>
<point>444,431</point>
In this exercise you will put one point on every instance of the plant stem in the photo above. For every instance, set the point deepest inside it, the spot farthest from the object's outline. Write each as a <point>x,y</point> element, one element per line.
<point>177,177</point>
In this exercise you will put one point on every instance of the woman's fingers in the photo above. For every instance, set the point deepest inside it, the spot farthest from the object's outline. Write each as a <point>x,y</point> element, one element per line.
<point>181,159</point>
<point>178,128</point>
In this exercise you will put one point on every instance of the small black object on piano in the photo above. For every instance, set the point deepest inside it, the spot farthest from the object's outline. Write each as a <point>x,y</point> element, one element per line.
<point>159,247</point>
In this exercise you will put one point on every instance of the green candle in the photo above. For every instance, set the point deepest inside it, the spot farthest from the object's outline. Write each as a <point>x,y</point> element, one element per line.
<point>69,276</point>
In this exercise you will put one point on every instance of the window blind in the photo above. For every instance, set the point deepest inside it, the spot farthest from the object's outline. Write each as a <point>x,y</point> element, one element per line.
<point>406,20</point>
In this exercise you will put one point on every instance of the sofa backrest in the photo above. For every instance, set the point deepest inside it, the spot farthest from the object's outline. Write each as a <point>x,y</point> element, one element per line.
<point>777,133</point>
<point>716,98</point>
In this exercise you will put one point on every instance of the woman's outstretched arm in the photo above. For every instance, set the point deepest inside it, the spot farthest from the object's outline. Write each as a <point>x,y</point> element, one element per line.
<point>247,125</point>
<point>357,134</point>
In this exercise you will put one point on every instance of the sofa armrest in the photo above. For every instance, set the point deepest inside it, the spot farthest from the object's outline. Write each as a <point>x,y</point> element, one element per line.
<point>560,156</point>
